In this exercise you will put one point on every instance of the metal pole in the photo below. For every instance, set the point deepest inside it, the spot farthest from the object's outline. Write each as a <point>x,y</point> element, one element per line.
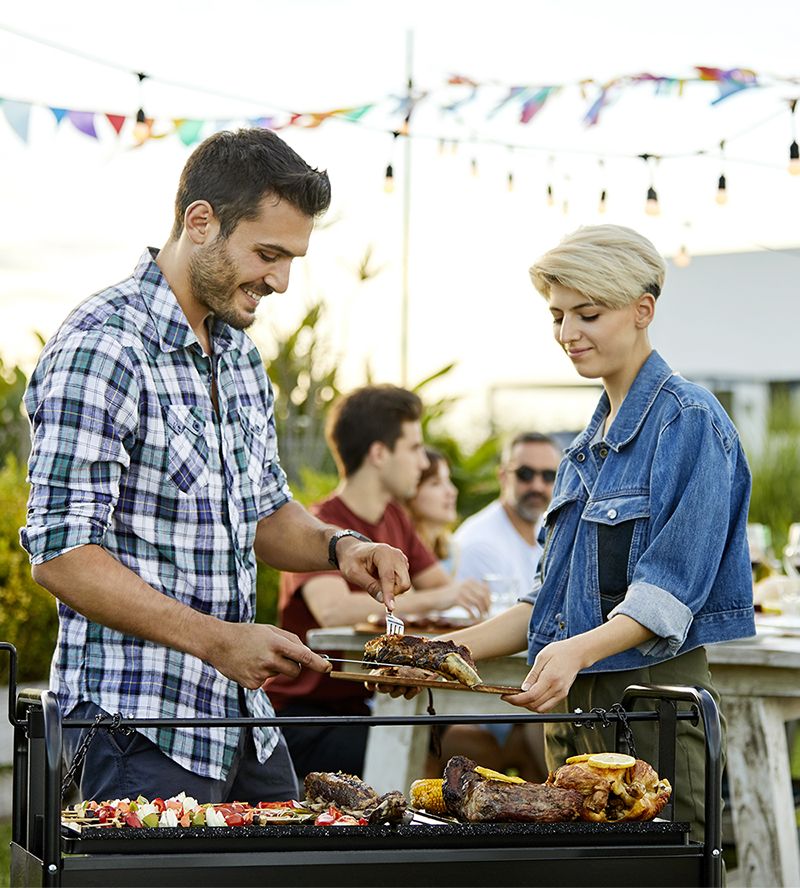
<point>406,217</point>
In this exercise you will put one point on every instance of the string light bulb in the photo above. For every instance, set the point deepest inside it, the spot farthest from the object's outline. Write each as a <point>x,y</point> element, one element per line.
<point>510,180</point>
<point>722,191</point>
<point>601,206</point>
<point>794,150</point>
<point>141,129</point>
<point>651,206</point>
<point>682,258</point>
<point>388,181</point>
<point>473,166</point>
<point>551,201</point>
<point>388,177</point>
<point>794,159</point>
<point>722,184</point>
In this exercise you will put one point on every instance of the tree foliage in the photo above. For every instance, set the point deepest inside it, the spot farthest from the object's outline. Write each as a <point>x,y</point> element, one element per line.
<point>28,615</point>
<point>775,464</point>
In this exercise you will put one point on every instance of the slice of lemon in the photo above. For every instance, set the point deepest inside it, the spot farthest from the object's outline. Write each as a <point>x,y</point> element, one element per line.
<point>574,759</point>
<point>611,760</point>
<point>489,774</point>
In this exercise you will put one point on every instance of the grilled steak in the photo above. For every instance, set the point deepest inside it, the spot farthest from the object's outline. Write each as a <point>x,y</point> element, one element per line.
<point>452,793</point>
<point>342,790</point>
<point>443,657</point>
<point>471,797</point>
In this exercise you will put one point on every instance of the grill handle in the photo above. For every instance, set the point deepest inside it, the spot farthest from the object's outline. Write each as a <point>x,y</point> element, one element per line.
<point>709,713</point>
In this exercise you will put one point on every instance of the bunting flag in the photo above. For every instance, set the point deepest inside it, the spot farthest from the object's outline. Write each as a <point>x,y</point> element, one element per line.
<point>117,121</point>
<point>18,115</point>
<point>83,121</point>
<point>528,100</point>
<point>532,106</point>
<point>730,82</point>
<point>59,114</point>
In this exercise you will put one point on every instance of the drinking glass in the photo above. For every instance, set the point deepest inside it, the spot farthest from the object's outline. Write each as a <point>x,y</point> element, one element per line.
<point>504,590</point>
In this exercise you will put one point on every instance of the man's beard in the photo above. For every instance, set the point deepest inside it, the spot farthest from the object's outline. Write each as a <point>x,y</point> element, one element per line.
<point>214,282</point>
<point>530,508</point>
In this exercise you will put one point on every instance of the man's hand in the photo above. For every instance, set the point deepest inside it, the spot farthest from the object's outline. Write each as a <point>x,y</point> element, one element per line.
<point>551,676</point>
<point>380,569</point>
<point>252,653</point>
<point>473,595</point>
<point>395,690</point>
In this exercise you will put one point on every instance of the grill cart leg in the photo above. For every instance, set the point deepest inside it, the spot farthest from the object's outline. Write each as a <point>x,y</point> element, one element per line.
<point>708,712</point>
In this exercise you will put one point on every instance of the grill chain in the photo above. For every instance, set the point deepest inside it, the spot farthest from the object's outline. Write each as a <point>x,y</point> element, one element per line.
<point>622,716</point>
<point>114,725</point>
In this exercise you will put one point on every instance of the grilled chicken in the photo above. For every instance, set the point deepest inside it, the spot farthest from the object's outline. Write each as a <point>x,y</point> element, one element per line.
<point>611,794</point>
<point>469,796</point>
<point>445,658</point>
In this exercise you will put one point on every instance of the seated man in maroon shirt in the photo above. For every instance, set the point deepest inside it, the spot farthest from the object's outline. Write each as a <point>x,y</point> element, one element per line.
<point>376,437</point>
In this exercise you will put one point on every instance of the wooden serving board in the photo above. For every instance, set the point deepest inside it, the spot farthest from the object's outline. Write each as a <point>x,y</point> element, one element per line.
<point>413,627</point>
<point>423,683</point>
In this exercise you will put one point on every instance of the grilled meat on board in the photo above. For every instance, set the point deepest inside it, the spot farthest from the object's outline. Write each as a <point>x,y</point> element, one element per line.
<point>471,797</point>
<point>445,658</point>
<point>352,796</point>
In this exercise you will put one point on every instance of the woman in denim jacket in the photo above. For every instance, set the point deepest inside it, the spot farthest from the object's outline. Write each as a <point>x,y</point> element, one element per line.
<point>645,550</point>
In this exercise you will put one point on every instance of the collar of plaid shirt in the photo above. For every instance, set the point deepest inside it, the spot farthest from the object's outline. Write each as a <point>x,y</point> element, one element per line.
<point>169,488</point>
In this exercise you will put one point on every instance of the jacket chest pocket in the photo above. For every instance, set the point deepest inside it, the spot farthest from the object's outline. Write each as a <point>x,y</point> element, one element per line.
<point>621,526</point>
<point>187,447</point>
<point>260,448</point>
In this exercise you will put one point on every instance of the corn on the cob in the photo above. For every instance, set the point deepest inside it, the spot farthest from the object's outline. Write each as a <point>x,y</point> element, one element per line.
<point>427,795</point>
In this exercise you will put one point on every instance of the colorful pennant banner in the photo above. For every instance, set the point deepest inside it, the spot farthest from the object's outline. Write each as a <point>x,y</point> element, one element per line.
<point>529,100</point>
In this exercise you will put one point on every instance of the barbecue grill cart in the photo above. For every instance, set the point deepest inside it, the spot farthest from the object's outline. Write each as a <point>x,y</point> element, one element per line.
<point>659,852</point>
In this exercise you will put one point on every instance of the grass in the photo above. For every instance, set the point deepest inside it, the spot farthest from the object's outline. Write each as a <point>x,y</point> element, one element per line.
<point>5,855</point>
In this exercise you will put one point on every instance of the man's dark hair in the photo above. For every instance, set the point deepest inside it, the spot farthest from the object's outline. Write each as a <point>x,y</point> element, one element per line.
<point>366,415</point>
<point>234,171</point>
<point>527,438</point>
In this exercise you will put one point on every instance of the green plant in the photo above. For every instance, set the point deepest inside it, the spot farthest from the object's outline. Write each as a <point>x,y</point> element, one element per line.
<point>312,487</point>
<point>474,472</point>
<point>28,615</point>
<point>14,430</point>
<point>775,466</point>
<point>304,381</point>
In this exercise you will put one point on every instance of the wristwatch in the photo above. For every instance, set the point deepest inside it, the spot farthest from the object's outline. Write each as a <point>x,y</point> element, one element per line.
<point>332,559</point>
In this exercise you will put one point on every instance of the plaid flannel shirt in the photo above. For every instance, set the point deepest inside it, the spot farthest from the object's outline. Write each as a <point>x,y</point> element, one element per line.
<point>129,454</point>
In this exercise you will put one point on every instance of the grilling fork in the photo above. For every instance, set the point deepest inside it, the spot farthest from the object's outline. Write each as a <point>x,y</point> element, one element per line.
<point>394,625</point>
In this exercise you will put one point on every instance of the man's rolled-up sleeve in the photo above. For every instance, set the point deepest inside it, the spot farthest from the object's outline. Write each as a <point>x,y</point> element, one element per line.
<point>83,406</point>
<point>690,494</point>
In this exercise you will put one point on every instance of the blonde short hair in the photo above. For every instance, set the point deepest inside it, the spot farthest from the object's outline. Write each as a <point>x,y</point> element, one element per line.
<point>609,264</point>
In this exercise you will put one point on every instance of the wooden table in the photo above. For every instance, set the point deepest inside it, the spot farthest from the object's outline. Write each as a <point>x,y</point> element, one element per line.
<point>759,683</point>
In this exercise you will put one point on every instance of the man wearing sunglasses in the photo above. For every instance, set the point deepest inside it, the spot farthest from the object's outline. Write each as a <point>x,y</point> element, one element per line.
<point>498,545</point>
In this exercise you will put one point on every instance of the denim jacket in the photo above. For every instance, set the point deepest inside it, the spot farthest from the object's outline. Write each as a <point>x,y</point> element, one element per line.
<point>669,485</point>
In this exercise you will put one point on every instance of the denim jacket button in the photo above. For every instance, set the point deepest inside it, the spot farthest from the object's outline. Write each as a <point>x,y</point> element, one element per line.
<point>612,514</point>
<point>581,457</point>
<point>562,625</point>
<point>603,452</point>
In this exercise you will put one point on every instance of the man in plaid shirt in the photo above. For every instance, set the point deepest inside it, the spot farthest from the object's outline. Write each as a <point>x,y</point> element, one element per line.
<point>155,484</point>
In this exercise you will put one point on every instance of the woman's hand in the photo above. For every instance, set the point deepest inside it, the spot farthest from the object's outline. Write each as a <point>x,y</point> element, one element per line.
<point>551,675</point>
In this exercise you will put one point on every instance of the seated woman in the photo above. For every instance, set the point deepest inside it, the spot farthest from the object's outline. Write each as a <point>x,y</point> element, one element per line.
<point>433,510</point>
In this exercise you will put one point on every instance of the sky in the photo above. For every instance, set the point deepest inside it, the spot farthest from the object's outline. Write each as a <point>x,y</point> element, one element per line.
<point>78,212</point>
